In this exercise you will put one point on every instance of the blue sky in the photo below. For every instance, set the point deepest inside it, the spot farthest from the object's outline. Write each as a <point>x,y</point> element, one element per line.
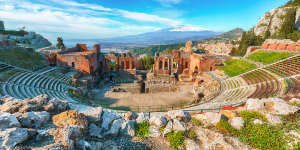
<point>88,19</point>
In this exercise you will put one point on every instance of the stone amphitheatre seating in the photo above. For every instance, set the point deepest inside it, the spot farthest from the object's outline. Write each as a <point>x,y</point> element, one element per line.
<point>29,84</point>
<point>272,80</point>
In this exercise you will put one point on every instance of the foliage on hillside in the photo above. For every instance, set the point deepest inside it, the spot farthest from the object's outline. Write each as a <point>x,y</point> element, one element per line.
<point>235,67</point>
<point>25,58</point>
<point>269,57</point>
<point>14,32</point>
<point>287,28</point>
<point>151,50</point>
<point>226,37</point>
<point>248,39</point>
<point>292,3</point>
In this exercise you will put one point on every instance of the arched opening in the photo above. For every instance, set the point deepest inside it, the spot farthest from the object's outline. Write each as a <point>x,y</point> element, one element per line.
<point>133,65</point>
<point>186,64</point>
<point>73,64</point>
<point>127,65</point>
<point>112,65</point>
<point>166,65</point>
<point>210,69</point>
<point>196,70</point>
<point>122,64</point>
<point>160,65</point>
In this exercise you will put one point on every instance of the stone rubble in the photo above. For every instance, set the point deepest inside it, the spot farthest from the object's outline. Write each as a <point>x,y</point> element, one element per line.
<point>96,128</point>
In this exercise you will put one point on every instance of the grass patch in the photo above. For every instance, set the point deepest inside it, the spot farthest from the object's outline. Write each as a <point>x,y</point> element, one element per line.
<point>24,58</point>
<point>263,136</point>
<point>142,129</point>
<point>176,139</point>
<point>269,57</point>
<point>192,134</point>
<point>196,122</point>
<point>224,127</point>
<point>236,67</point>
<point>252,115</point>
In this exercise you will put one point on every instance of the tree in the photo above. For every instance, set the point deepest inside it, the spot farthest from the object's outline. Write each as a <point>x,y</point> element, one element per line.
<point>288,24</point>
<point>60,43</point>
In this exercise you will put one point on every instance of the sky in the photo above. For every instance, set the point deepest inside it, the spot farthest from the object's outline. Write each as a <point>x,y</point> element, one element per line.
<point>97,19</point>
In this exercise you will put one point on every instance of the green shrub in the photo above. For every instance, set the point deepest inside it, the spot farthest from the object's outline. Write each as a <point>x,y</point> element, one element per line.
<point>235,67</point>
<point>191,134</point>
<point>251,115</point>
<point>196,122</point>
<point>297,146</point>
<point>269,57</point>
<point>142,129</point>
<point>263,136</point>
<point>176,139</point>
<point>224,127</point>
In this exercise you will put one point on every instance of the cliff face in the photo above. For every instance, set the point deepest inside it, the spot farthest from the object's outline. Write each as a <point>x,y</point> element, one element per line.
<point>273,20</point>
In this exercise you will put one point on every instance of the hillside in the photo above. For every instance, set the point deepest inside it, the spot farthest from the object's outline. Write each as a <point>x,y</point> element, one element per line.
<point>164,36</point>
<point>225,37</point>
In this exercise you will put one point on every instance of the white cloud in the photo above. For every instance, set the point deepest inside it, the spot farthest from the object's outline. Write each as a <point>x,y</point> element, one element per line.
<point>187,28</point>
<point>148,18</point>
<point>76,4</point>
<point>77,20</point>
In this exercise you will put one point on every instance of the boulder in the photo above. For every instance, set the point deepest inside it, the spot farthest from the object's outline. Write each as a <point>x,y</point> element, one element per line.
<point>254,105</point>
<point>33,119</point>
<point>295,101</point>
<point>237,122</point>
<point>115,128</point>
<point>169,127</point>
<point>257,121</point>
<point>94,114</point>
<point>273,120</point>
<point>95,131</point>
<point>8,120</point>
<point>210,139</point>
<point>191,145</point>
<point>142,117</point>
<point>9,138</point>
<point>211,118</point>
<point>279,107</point>
<point>130,116</point>
<point>229,114</point>
<point>26,105</point>
<point>128,128</point>
<point>68,136</point>
<point>154,131</point>
<point>179,126</point>
<point>108,117</point>
<point>158,121</point>
<point>70,118</point>
<point>96,145</point>
<point>56,106</point>
<point>179,115</point>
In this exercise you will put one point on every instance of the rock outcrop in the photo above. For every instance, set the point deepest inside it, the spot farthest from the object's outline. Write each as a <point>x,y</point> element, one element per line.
<point>273,19</point>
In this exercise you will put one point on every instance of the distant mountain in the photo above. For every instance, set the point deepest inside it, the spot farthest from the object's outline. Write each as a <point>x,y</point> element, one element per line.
<point>225,37</point>
<point>164,36</point>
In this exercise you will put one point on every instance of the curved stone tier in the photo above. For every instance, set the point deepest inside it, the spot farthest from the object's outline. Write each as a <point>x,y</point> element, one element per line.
<point>28,84</point>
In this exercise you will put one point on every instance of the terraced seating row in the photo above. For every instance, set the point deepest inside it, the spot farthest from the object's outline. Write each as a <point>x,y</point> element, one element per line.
<point>263,82</point>
<point>28,84</point>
